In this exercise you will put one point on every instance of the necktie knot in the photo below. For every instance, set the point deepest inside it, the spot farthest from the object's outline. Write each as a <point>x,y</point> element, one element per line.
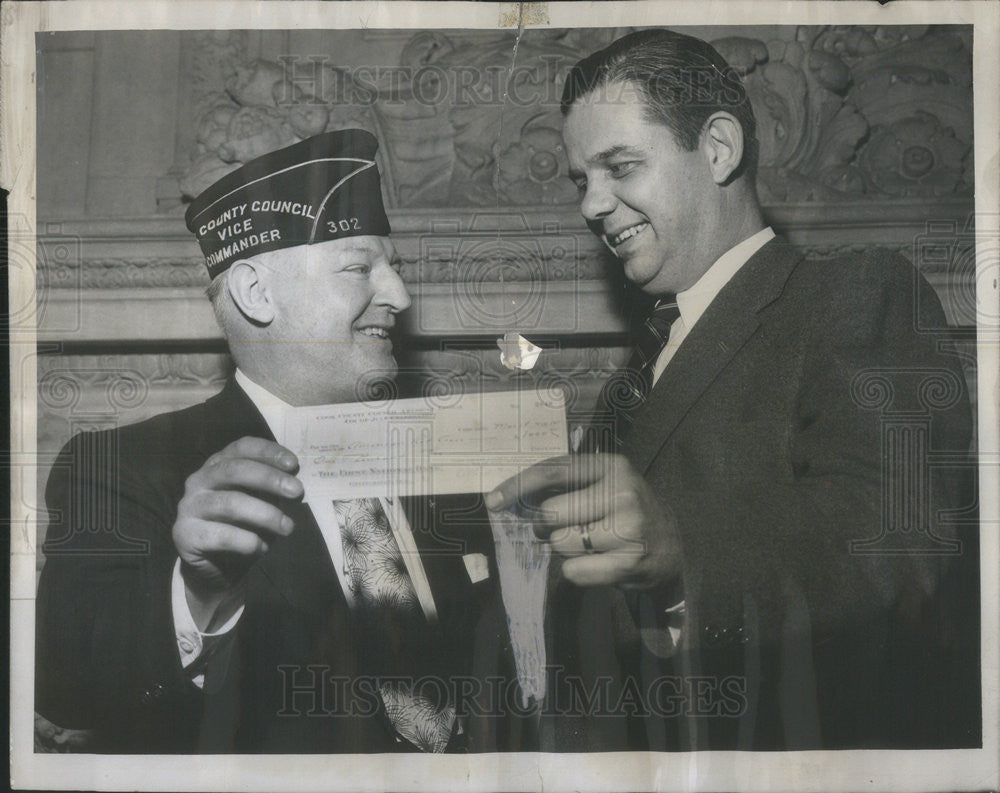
<point>628,388</point>
<point>662,317</point>
<point>652,337</point>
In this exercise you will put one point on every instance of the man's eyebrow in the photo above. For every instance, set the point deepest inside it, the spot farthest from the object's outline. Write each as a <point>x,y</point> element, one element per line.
<point>356,247</point>
<point>602,157</point>
<point>609,153</point>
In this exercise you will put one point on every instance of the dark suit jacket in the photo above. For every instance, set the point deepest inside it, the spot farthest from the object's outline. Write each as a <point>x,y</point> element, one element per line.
<point>797,422</point>
<point>293,679</point>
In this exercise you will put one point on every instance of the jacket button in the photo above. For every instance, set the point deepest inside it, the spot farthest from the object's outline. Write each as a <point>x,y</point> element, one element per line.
<point>153,694</point>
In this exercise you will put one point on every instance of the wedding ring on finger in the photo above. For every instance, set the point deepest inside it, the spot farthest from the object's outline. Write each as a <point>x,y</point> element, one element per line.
<point>588,546</point>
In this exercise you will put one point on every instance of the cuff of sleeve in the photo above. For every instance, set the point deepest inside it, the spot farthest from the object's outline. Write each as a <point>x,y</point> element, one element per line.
<point>675,617</point>
<point>661,618</point>
<point>191,642</point>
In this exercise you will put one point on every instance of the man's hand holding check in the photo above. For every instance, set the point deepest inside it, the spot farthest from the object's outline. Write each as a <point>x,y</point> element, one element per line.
<point>599,512</point>
<point>233,507</point>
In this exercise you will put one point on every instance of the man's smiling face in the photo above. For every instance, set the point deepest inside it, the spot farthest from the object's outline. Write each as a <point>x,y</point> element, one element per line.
<point>651,202</point>
<point>336,305</point>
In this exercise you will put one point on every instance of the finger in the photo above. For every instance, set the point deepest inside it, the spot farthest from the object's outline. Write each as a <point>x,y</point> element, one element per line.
<point>557,474</point>
<point>236,508</point>
<point>262,450</point>
<point>576,508</point>
<point>251,475</point>
<point>600,569</point>
<point>212,538</point>
<point>568,541</point>
<point>223,538</point>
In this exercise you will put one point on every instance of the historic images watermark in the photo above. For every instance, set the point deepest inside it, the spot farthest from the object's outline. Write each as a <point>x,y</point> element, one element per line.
<point>317,691</point>
<point>315,80</point>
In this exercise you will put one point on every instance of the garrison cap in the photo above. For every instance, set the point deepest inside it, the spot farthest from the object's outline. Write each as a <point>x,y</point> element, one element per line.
<point>323,188</point>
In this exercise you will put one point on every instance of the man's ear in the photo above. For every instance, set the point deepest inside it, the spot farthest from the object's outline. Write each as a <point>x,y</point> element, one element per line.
<point>249,290</point>
<point>722,141</point>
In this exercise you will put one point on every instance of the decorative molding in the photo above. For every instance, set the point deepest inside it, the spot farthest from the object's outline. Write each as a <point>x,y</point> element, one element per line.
<point>461,309</point>
<point>443,246</point>
<point>135,273</point>
<point>94,391</point>
<point>126,378</point>
<point>471,271</point>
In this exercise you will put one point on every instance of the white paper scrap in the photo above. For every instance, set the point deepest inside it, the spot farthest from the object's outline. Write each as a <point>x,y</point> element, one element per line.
<point>516,352</point>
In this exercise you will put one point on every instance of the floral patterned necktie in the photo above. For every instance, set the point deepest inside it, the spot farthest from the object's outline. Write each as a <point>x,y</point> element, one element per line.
<point>376,573</point>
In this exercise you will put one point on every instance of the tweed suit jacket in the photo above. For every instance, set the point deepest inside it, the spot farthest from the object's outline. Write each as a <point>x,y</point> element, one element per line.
<point>827,604</point>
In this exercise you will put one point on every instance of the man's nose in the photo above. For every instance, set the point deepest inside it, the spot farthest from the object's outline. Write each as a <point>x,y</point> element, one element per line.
<point>598,202</point>
<point>390,291</point>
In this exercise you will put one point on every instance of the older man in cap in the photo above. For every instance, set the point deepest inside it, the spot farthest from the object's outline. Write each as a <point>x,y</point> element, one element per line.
<point>260,619</point>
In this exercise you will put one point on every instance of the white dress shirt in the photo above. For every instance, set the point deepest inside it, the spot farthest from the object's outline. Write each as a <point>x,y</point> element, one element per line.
<point>693,302</point>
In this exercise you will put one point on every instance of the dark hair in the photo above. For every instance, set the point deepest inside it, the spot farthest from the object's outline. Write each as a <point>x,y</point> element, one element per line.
<point>683,80</point>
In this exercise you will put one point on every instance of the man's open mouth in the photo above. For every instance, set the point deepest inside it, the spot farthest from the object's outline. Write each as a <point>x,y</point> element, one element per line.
<point>623,236</point>
<point>373,330</point>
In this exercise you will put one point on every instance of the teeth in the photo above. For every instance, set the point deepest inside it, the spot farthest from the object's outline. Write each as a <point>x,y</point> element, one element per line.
<point>382,333</point>
<point>630,232</point>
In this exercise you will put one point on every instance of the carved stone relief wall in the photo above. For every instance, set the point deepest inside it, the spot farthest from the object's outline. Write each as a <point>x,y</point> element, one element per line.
<point>875,113</point>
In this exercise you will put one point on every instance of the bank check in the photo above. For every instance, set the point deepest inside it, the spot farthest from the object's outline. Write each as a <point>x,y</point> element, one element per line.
<point>466,443</point>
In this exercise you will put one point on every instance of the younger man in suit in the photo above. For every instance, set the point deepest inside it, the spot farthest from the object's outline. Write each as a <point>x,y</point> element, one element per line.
<point>741,474</point>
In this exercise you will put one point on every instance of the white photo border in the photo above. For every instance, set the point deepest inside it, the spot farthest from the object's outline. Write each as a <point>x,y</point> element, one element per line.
<point>806,771</point>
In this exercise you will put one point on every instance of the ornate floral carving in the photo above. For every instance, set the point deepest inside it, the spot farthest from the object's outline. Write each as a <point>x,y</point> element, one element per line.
<point>533,169</point>
<point>96,391</point>
<point>267,105</point>
<point>506,144</point>
<point>863,92</point>
<point>915,156</point>
<point>476,121</point>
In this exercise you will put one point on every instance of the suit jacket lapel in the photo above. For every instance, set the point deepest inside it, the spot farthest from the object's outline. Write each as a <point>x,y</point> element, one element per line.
<point>728,323</point>
<point>298,566</point>
<point>231,416</point>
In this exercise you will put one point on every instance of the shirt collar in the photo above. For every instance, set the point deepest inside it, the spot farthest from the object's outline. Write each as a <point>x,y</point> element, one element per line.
<point>693,302</point>
<point>272,408</point>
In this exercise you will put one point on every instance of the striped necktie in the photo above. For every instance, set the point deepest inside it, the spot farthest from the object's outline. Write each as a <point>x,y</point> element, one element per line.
<point>628,388</point>
<point>382,588</point>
